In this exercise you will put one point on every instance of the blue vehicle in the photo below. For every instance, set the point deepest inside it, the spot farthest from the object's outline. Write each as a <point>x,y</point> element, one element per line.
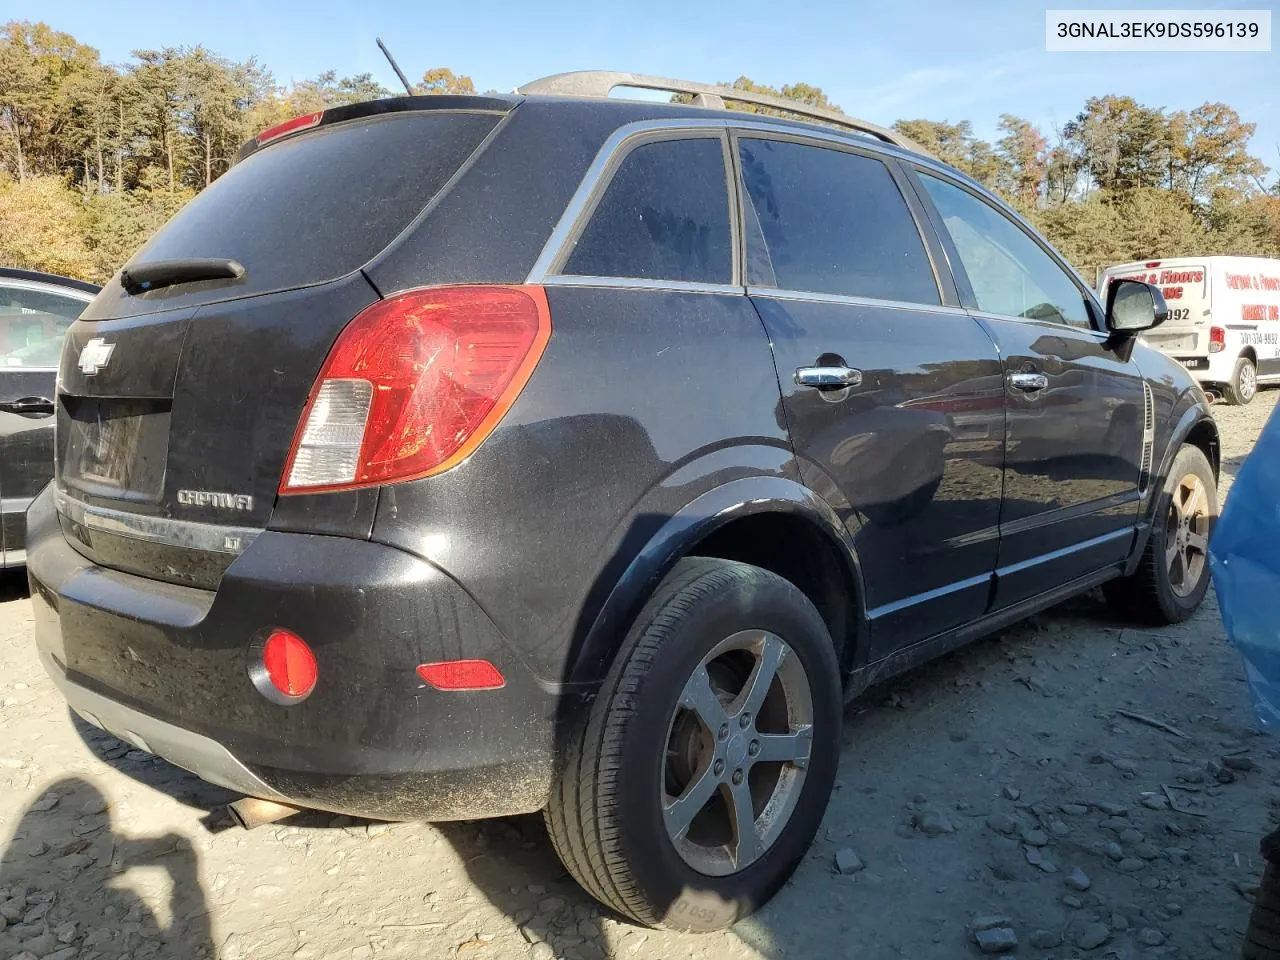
<point>1246,573</point>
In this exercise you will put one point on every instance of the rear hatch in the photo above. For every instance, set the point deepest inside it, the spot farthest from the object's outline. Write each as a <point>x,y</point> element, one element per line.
<point>1185,285</point>
<point>178,401</point>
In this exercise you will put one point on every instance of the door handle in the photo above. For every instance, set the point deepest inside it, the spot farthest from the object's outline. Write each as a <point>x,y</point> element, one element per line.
<point>1028,381</point>
<point>28,405</point>
<point>828,378</point>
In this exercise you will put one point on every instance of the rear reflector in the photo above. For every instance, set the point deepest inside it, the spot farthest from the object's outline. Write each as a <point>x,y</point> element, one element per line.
<point>462,675</point>
<point>305,122</point>
<point>414,384</point>
<point>290,664</point>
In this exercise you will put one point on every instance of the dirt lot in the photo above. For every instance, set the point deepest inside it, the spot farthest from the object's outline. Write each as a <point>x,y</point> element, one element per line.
<point>999,781</point>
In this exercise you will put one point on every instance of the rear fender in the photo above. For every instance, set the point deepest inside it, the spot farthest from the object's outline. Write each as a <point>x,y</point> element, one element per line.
<point>679,535</point>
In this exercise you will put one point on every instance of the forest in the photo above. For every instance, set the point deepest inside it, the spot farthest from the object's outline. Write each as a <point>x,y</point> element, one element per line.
<point>94,157</point>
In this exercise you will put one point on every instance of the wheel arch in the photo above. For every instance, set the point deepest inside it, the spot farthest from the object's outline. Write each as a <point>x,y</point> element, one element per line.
<point>772,522</point>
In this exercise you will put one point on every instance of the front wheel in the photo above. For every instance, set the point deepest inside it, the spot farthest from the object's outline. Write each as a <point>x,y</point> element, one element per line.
<point>1173,574</point>
<point>1243,386</point>
<point>707,760</point>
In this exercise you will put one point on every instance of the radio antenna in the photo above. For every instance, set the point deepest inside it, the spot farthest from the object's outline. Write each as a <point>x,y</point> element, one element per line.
<point>394,66</point>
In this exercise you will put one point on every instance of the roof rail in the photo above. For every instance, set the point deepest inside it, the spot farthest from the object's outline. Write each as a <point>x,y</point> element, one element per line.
<point>599,83</point>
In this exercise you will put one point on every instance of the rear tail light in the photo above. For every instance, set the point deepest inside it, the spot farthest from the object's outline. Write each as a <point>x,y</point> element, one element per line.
<point>414,384</point>
<point>1217,339</point>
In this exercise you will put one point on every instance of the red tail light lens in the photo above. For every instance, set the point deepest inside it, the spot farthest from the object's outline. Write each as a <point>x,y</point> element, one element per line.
<point>305,122</point>
<point>290,664</point>
<point>1217,339</point>
<point>414,384</point>
<point>462,675</point>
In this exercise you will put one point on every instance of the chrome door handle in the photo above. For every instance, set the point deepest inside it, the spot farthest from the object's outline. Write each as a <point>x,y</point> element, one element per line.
<point>27,406</point>
<point>1028,381</point>
<point>828,378</point>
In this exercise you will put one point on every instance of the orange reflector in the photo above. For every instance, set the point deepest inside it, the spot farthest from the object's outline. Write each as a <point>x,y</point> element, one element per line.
<point>462,675</point>
<point>290,664</point>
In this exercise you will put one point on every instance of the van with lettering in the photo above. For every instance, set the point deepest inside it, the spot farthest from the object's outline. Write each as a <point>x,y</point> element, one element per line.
<point>1224,318</point>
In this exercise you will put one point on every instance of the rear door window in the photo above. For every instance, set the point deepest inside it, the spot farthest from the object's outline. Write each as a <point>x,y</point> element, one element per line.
<point>821,220</point>
<point>32,323</point>
<point>664,216</point>
<point>317,206</point>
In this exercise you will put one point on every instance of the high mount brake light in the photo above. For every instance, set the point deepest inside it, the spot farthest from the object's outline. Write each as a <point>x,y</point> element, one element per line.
<point>414,384</point>
<point>305,122</point>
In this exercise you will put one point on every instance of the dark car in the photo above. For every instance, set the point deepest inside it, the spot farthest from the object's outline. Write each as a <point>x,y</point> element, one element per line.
<point>457,457</point>
<point>35,311</point>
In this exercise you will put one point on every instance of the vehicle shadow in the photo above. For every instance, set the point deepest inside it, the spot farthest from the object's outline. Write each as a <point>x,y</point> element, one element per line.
<point>13,585</point>
<point>157,773</point>
<point>66,888</point>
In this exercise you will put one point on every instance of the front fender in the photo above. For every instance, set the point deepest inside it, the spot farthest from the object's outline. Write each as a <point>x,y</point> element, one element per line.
<point>1189,414</point>
<point>676,537</point>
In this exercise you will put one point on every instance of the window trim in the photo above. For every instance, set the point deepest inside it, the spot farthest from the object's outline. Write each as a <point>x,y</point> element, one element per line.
<point>942,281</point>
<point>968,297</point>
<point>591,191</point>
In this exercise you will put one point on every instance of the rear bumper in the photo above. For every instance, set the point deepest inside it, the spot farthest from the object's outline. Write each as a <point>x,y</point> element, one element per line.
<point>167,667</point>
<point>204,757</point>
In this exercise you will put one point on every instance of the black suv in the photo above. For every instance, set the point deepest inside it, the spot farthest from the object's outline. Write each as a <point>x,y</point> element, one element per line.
<point>457,457</point>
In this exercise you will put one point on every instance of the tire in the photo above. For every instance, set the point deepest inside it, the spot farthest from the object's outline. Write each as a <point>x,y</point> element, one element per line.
<point>1243,386</point>
<point>1155,593</point>
<point>1262,938</point>
<point>609,812</point>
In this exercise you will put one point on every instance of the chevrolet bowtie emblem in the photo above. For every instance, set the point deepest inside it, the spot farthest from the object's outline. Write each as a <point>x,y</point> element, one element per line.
<point>95,355</point>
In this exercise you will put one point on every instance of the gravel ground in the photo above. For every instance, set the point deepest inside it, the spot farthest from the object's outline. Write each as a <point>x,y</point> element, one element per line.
<point>997,792</point>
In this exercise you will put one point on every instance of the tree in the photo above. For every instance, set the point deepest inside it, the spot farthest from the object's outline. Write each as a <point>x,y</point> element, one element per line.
<point>443,80</point>
<point>330,90</point>
<point>37,64</point>
<point>954,143</point>
<point>41,226</point>
<point>1211,150</point>
<point>1123,145</point>
<point>1024,153</point>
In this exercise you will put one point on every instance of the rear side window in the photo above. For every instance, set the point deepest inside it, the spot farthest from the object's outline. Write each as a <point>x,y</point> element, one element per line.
<point>826,221</point>
<point>664,216</point>
<point>318,206</point>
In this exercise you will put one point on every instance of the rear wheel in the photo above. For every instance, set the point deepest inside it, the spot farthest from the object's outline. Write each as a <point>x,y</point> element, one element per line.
<point>1173,574</point>
<point>706,763</point>
<point>1243,386</point>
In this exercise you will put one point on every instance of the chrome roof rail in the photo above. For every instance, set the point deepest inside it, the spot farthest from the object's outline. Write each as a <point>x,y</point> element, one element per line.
<point>599,83</point>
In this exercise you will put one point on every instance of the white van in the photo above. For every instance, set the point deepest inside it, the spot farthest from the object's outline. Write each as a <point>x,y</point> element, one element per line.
<point>1224,318</point>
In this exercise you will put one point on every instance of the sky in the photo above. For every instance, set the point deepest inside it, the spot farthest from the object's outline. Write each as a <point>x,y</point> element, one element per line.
<point>883,61</point>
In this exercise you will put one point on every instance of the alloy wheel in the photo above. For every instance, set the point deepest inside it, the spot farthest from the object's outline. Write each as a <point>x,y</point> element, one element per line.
<point>1187,535</point>
<point>1248,385</point>
<point>737,752</point>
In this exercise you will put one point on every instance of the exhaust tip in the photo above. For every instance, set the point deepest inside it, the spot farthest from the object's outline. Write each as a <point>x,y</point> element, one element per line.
<point>250,812</point>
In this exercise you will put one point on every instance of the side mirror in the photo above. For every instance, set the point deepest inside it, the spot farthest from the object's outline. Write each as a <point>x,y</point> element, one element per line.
<point>1134,306</point>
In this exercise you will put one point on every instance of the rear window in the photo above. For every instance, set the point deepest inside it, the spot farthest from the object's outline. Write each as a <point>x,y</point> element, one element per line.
<point>318,206</point>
